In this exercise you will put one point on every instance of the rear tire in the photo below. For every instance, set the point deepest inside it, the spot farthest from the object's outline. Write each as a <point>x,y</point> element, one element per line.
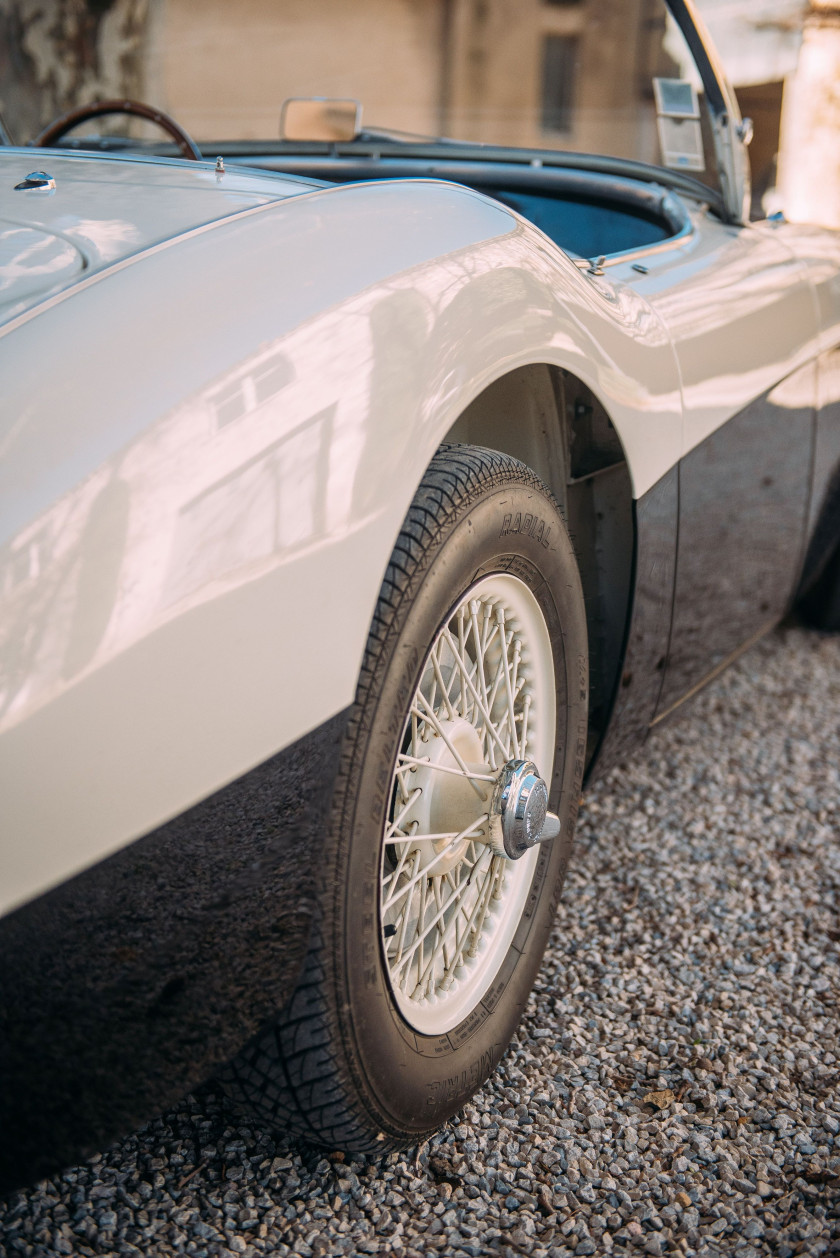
<point>820,607</point>
<point>375,1050</point>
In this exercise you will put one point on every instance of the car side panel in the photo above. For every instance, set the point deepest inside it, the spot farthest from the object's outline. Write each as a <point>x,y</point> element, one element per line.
<point>743,515</point>
<point>740,308</point>
<point>200,496</point>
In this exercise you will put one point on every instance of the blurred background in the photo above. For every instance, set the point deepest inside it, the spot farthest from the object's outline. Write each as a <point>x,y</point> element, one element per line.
<point>541,73</point>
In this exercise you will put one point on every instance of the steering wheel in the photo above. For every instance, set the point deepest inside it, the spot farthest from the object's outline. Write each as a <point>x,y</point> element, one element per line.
<point>135,108</point>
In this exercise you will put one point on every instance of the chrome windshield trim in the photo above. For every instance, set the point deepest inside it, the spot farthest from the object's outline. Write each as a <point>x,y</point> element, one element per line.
<point>646,251</point>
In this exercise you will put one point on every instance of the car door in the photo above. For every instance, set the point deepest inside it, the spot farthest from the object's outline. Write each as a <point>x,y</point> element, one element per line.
<point>739,309</point>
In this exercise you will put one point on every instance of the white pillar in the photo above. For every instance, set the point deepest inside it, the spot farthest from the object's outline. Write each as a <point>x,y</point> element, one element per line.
<point>809,160</point>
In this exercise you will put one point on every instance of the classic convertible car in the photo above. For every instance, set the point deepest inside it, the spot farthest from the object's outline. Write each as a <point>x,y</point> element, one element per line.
<point>360,497</point>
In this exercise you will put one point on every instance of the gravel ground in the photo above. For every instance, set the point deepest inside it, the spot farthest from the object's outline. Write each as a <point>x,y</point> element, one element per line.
<point>674,1085</point>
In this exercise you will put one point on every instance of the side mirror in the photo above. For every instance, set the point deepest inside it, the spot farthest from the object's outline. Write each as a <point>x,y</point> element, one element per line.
<point>320,118</point>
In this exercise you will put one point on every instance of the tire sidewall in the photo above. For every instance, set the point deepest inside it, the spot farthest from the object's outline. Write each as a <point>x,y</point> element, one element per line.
<point>411,1081</point>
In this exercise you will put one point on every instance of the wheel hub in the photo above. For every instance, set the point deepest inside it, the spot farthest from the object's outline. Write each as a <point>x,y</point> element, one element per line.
<point>448,802</point>
<point>520,816</point>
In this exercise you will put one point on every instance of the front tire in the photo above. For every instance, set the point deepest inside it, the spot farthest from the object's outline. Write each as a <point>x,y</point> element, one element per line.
<point>428,937</point>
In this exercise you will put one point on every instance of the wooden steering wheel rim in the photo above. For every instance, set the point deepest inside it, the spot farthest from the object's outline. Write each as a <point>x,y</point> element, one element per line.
<point>54,132</point>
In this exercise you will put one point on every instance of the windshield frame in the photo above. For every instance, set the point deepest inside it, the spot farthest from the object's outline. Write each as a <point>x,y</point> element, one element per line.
<point>730,147</point>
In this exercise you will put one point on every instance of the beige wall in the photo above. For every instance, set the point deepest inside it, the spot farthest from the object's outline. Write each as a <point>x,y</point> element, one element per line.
<point>467,68</point>
<point>493,55</point>
<point>809,161</point>
<point>497,72</point>
<point>385,53</point>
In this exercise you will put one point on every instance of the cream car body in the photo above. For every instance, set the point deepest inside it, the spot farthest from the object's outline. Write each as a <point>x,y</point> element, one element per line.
<point>221,391</point>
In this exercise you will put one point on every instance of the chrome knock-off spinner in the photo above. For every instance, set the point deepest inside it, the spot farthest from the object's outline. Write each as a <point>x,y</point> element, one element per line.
<point>520,816</point>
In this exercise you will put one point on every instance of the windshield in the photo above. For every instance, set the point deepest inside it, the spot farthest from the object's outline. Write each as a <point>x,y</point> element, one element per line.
<point>567,74</point>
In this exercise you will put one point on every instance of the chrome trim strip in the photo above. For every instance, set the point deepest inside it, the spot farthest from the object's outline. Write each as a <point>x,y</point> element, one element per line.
<point>646,251</point>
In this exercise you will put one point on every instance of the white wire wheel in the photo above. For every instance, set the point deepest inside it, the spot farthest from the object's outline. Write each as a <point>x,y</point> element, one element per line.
<point>449,904</point>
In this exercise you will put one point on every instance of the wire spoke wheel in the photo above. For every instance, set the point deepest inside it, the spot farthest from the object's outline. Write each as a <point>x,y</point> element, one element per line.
<point>449,904</point>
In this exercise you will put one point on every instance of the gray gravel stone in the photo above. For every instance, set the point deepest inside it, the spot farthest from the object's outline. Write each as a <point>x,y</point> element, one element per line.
<point>673,1088</point>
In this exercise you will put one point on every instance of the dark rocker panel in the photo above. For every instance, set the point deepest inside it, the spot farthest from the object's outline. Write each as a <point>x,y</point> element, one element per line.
<point>744,495</point>
<point>646,650</point>
<point>128,985</point>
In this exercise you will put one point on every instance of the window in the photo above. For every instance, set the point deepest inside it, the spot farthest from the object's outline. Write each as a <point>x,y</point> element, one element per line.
<point>558,82</point>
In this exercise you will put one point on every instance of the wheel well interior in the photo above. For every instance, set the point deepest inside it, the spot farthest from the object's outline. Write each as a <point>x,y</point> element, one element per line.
<point>551,420</point>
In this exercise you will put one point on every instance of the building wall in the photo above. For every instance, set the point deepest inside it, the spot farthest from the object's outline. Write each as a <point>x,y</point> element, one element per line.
<point>810,155</point>
<point>498,55</point>
<point>762,102</point>
<point>385,53</point>
<point>473,69</point>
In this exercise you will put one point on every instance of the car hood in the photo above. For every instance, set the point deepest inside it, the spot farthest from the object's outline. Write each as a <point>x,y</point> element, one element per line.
<point>104,209</point>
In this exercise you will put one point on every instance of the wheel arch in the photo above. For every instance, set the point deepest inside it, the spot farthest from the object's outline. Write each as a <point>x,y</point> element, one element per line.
<point>551,420</point>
